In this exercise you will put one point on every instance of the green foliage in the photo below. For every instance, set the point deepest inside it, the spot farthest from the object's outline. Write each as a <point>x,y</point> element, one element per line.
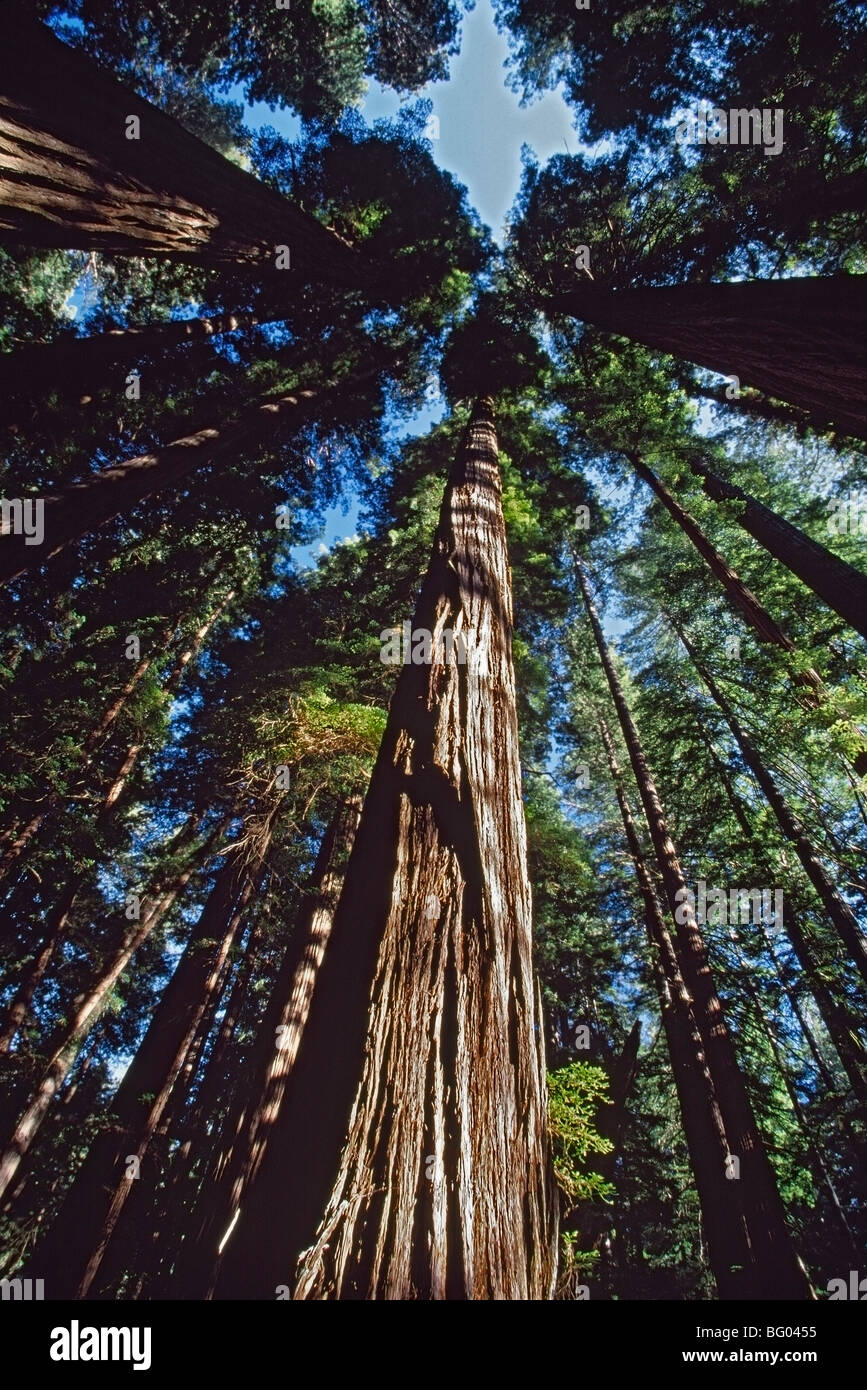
<point>575,1093</point>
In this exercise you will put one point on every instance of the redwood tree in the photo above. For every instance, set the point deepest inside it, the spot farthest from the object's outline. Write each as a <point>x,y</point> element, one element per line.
<point>425,1160</point>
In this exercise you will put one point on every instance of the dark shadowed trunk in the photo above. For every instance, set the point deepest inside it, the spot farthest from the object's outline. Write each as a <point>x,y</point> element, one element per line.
<point>81,1236</point>
<point>800,340</point>
<point>238,1156</point>
<point>723,1217</point>
<point>66,1045</point>
<point>78,366</point>
<point>836,583</point>
<point>77,509</point>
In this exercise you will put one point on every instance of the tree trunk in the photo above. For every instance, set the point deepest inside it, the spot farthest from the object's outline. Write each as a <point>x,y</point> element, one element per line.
<point>74,365</point>
<point>724,1220</point>
<point>81,1235</point>
<point>232,1174</point>
<point>425,1019</point>
<point>77,509</point>
<point>757,405</point>
<point>743,598</point>
<point>78,175</point>
<point>841,915</point>
<point>773,1270</point>
<point>59,918</point>
<point>67,1044</point>
<point>821,1171</point>
<point>800,340</point>
<point>840,1022</point>
<point>24,834</point>
<point>839,585</point>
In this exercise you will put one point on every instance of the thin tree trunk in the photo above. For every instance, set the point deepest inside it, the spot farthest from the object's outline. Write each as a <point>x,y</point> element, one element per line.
<point>743,598</point>
<point>67,1044</point>
<point>77,175</point>
<point>72,364</point>
<point>836,583</point>
<point>58,921</point>
<point>424,1021</point>
<point>23,835</point>
<point>839,912</point>
<point>773,1270</point>
<point>723,1217</point>
<point>800,340</point>
<point>757,405</point>
<point>233,1173</point>
<point>819,1163</point>
<point>81,1235</point>
<point>77,509</point>
<point>139,1243</point>
<point>840,1023</point>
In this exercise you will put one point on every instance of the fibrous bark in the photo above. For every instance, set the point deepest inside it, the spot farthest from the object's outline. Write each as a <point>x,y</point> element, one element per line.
<point>73,178</point>
<point>427,1150</point>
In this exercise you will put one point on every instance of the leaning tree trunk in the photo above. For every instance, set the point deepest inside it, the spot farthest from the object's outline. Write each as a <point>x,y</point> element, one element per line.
<point>77,509</point>
<point>18,836</point>
<point>82,1233</point>
<point>754,404</point>
<point>773,1270</point>
<point>839,911</point>
<point>236,1164</point>
<point>415,1115</point>
<point>78,174</point>
<point>801,340</point>
<point>723,1217</point>
<point>838,1018</point>
<point>66,1044</point>
<point>743,598</point>
<point>836,583</point>
<point>72,365</point>
<point>811,1142</point>
<point>59,919</point>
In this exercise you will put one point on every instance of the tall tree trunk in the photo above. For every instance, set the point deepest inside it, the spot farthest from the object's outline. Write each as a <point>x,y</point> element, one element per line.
<point>224,1189</point>
<point>755,404</point>
<point>800,340</point>
<point>724,1219</point>
<point>77,509</point>
<point>820,1166</point>
<point>140,1242</point>
<point>59,918</point>
<point>839,912</point>
<point>24,834</point>
<point>773,1270</point>
<point>65,1046</point>
<point>836,583</point>
<point>82,1233</point>
<point>743,598</point>
<point>71,364</point>
<point>425,1019</point>
<point>840,1022</point>
<point>77,173</point>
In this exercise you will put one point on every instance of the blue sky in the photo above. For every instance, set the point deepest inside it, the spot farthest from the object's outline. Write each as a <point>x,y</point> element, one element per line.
<point>481,123</point>
<point>482,127</point>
